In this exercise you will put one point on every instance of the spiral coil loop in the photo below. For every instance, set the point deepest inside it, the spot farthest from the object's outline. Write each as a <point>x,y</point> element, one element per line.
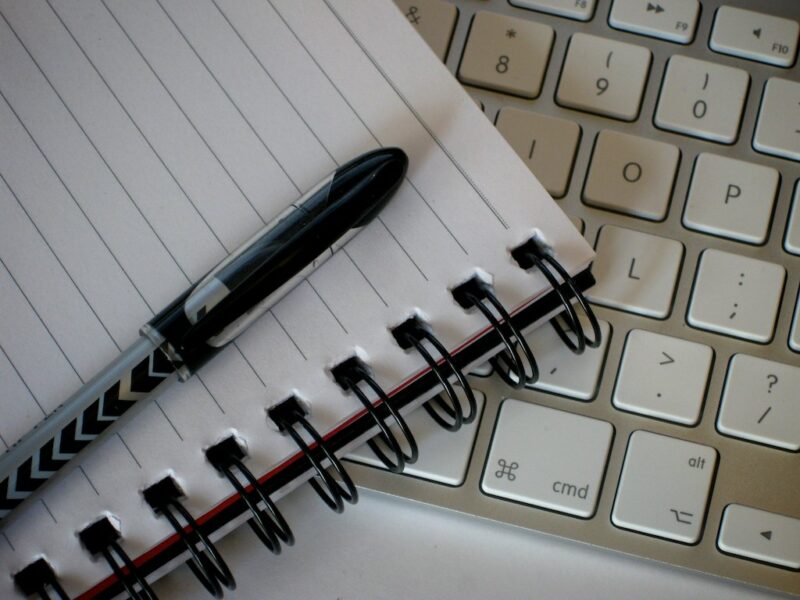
<point>534,253</point>
<point>102,538</point>
<point>411,334</point>
<point>36,578</point>
<point>268,523</point>
<point>348,375</point>
<point>333,492</point>
<point>476,292</point>
<point>207,564</point>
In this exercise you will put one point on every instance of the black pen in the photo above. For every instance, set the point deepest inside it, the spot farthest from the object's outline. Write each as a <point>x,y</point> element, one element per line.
<point>207,316</point>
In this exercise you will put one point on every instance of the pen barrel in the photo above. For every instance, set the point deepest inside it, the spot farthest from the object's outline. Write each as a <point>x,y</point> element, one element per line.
<point>81,419</point>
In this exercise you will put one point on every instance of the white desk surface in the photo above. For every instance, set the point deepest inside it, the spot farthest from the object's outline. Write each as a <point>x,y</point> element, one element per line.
<point>386,548</point>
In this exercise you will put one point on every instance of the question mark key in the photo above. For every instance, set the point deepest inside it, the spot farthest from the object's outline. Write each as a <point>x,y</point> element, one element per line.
<point>760,402</point>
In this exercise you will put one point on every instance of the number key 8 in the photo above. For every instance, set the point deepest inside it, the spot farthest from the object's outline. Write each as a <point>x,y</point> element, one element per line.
<point>506,54</point>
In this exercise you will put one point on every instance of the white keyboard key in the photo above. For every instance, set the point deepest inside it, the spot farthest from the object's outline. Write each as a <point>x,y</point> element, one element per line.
<point>636,272</point>
<point>435,21</point>
<point>760,535</point>
<point>736,295</point>
<point>756,36</point>
<point>506,54</point>
<point>731,198</point>
<point>792,241</point>
<point>702,99</point>
<point>663,377</point>
<point>778,127</point>
<point>794,336</point>
<point>760,402</point>
<point>673,20</point>
<point>443,455</point>
<point>563,372</point>
<point>604,76</point>
<point>547,458</point>
<point>546,144</point>
<point>631,174</point>
<point>664,487</point>
<point>581,10</point>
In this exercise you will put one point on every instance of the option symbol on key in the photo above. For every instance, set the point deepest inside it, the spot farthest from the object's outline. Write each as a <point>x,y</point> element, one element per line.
<point>682,516</point>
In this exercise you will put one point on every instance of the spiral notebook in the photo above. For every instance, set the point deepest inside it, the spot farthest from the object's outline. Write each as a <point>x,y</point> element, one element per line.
<point>143,141</point>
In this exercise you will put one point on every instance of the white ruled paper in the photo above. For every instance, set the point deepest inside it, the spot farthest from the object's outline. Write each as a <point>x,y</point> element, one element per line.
<point>140,142</point>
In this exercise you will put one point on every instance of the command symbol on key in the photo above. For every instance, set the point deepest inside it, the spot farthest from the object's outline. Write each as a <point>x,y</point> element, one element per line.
<point>506,469</point>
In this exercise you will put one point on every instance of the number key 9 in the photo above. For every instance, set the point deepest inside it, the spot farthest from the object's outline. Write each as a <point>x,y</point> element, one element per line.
<point>604,77</point>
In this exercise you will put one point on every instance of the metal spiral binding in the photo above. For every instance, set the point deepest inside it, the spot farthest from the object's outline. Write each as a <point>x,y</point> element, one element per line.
<point>102,538</point>
<point>333,492</point>
<point>534,253</point>
<point>36,578</point>
<point>268,522</point>
<point>411,333</point>
<point>206,564</point>
<point>349,374</point>
<point>476,293</point>
<point>332,483</point>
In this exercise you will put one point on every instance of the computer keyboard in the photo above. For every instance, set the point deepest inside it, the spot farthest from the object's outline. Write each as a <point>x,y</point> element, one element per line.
<point>669,130</point>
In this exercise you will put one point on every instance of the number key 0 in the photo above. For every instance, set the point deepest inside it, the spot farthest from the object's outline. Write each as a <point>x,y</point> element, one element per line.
<point>506,54</point>
<point>702,99</point>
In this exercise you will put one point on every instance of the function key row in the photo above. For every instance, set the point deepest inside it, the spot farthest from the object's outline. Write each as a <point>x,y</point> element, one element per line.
<point>737,32</point>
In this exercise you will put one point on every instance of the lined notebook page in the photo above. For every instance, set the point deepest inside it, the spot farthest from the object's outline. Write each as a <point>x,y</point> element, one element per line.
<point>141,142</point>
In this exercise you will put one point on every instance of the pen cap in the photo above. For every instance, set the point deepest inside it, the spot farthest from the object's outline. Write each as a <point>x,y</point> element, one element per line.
<point>209,315</point>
